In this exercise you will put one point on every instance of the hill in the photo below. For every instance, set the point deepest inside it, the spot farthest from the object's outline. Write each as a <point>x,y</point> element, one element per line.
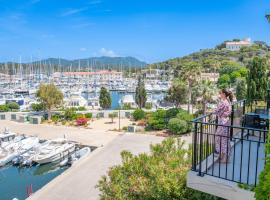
<point>60,64</point>
<point>213,59</point>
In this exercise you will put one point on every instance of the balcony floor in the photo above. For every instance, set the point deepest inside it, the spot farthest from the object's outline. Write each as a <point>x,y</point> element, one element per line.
<point>239,169</point>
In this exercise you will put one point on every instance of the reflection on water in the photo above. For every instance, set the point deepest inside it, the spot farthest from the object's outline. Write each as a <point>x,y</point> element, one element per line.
<point>15,180</point>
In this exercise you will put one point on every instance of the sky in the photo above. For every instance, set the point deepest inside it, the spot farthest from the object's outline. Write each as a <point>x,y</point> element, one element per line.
<point>150,30</point>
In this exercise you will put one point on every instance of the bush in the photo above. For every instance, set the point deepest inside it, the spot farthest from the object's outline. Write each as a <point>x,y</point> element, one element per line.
<point>184,115</point>
<point>159,175</point>
<point>70,114</point>
<point>4,108</point>
<point>157,120</point>
<point>13,106</point>
<point>81,108</point>
<point>37,107</point>
<point>262,191</point>
<point>55,118</point>
<point>171,113</point>
<point>79,115</point>
<point>81,121</point>
<point>178,126</point>
<point>138,114</point>
<point>88,115</point>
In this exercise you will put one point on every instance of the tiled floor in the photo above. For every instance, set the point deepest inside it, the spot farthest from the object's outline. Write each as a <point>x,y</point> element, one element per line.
<point>245,169</point>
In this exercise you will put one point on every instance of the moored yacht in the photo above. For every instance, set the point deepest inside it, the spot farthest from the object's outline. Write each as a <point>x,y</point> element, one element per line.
<point>56,151</point>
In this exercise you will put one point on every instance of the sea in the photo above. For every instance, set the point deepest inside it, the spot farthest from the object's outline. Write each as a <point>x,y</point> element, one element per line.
<point>16,181</point>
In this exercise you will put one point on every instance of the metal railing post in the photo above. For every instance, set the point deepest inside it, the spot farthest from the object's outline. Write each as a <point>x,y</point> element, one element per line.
<point>201,150</point>
<point>232,118</point>
<point>194,161</point>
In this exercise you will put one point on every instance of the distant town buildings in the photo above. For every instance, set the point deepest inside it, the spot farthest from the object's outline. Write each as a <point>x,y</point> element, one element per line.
<point>236,45</point>
<point>103,75</point>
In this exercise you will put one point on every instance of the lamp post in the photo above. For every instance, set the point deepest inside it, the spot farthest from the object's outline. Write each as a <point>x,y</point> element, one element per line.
<point>119,119</point>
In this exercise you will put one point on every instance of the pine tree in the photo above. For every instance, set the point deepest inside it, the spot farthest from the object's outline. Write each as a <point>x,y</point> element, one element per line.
<point>257,79</point>
<point>105,100</point>
<point>140,96</point>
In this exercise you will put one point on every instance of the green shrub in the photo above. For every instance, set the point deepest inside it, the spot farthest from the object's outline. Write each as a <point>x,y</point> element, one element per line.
<point>88,115</point>
<point>37,107</point>
<point>138,114</point>
<point>157,120</point>
<point>13,106</point>
<point>160,175</point>
<point>184,115</point>
<point>4,108</point>
<point>81,108</point>
<point>55,118</point>
<point>70,114</point>
<point>262,191</point>
<point>171,113</point>
<point>177,126</point>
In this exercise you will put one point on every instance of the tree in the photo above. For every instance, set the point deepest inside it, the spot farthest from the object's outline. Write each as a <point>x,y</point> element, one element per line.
<point>50,96</point>
<point>257,79</point>
<point>113,115</point>
<point>190,72</point>
<point>159,175</point>
<point>206,91</point>
<point>177,93</point>
<point>241,88</point>
<point>140,96</point>
<point>105,100</point>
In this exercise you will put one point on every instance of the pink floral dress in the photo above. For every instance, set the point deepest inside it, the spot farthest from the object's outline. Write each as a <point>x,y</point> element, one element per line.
<point>223,111</point>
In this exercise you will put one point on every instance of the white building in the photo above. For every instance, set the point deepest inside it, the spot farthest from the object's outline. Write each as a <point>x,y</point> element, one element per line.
<point>236,45</point>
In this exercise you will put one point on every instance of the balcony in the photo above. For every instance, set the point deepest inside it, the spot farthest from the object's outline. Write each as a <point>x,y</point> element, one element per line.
<point>245,154</point>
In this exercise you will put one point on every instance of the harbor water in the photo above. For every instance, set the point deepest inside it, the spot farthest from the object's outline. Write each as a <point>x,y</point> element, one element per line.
<point>14,181</point>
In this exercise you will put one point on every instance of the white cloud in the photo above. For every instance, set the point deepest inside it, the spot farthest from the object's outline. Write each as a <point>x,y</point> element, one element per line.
<point>107,52</point>
<point>73,11</point>
<point>83,49</point>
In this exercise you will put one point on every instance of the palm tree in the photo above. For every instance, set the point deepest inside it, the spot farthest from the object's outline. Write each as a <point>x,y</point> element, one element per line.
<point>190,72</point>
<point>206,91</point>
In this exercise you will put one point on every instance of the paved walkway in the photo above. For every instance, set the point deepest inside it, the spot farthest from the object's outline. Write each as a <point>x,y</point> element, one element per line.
<point>91,137</point>
<point>80,180</point>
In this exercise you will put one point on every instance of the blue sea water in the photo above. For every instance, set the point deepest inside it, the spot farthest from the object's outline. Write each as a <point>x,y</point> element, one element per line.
<point>15,180</point>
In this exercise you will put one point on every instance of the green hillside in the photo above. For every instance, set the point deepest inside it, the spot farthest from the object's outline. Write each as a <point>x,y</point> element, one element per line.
<point>213,59</point>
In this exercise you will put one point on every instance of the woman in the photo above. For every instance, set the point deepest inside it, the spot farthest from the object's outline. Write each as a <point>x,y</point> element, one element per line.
<point>223,111</point>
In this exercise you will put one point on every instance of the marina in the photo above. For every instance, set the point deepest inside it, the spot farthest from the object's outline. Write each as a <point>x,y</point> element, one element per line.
<point>33,162</point>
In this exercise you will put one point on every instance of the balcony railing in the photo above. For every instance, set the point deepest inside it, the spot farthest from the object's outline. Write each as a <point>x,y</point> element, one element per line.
<point>245,153</point>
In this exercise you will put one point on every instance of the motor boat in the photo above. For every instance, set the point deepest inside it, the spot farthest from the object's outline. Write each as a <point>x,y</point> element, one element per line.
<point>54,152</point>
<point>17,149</point>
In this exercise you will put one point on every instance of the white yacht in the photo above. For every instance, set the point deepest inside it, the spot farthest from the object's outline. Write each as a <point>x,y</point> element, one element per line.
<point>56,151</point>
<point>12,151</point>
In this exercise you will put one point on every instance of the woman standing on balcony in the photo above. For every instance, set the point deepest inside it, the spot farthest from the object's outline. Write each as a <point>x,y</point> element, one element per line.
<point>223,111</point>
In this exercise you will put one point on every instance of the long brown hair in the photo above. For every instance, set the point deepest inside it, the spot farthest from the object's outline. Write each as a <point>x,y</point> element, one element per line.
<point>228,94</point>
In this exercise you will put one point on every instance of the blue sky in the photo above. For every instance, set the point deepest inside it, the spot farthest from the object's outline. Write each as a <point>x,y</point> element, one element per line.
<point>151,30</point>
